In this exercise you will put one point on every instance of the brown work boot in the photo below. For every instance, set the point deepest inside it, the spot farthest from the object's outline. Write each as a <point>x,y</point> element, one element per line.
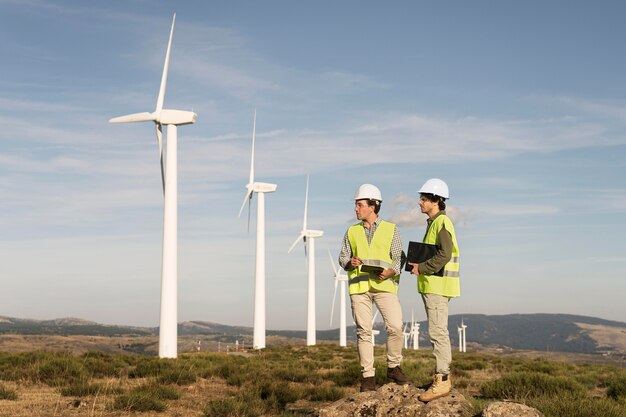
<point>368,384</point>
<point>441,386</point>
<point>397,376</point>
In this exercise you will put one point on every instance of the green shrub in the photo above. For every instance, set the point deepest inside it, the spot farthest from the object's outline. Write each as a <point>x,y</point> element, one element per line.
<point>616,387</point>
<point>140,401</point>
<point>59,370</point>
<point>178,376</point>
<point>468,365</point>
<point>346,376</point>
<point>151,367</point>
<point>543,366</point>
<point>277,394</point>
<point>7,394</point>
<point>235,407</point>
<point>160,392</point>
<point>294,374</point>
<point>522,385</point>
<point>325,392</point>
<point>80,389</point>
<point>577,406</point>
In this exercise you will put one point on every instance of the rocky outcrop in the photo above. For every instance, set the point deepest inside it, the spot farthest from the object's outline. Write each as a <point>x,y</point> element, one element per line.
<point>401,401</point>
<point>396,401</point>
<point>509,409</point>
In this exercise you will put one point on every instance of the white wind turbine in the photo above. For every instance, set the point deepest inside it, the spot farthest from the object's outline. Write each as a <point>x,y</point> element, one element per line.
<point>415,332</point>
<point>374,332</point>
<point>460,332</point>
<point>463,327</point>
<point>310,255</point>
<point>342,279</point>
<point>258,340</point>
<point>406,335</point>
<point>168,333</point>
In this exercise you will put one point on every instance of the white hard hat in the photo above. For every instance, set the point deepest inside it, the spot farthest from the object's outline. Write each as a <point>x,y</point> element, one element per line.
<point>436,187</point>
<point>368,192</point>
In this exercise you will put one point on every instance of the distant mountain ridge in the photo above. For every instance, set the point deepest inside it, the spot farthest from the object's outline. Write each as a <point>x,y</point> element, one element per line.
<point>544,332</point>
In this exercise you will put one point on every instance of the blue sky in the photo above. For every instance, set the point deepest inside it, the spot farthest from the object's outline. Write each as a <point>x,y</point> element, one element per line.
<point>519,106</point>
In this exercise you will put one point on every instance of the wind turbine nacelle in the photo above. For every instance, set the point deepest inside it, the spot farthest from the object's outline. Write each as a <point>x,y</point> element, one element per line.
<point>177,117</point>
<point>264,187</point>
<point>313,233</point>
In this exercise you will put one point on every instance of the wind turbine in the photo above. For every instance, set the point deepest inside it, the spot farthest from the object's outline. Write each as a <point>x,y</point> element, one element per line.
<point>460,332</point>
<point>258,339</point>
<point>342,279</point>
<point>168,333</point>
<point>406,335</point>
<point>310,255</point>
<point>463,326</point>
<point>415,332</point>
<point>374,331</point>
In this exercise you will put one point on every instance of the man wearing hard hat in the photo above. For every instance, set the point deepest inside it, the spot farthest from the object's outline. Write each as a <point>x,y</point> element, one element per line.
<point>438,281</point>
<point>373,241</point>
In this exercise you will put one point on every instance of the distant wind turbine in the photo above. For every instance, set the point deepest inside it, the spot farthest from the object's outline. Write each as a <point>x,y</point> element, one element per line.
<point>463,326</point>
<point>168,333</point>
<point>406,335</point>
<point>259,281</point>
<point>310,255</point>
<point>415,332</point>
<point>342,279</point>
<point>374,331</point>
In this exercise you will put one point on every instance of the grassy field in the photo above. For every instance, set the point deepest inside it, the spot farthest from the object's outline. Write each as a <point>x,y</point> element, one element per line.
<point>282,381</point>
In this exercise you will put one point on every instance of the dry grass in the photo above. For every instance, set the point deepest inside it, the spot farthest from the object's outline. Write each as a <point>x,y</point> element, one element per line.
<point>277,381</point>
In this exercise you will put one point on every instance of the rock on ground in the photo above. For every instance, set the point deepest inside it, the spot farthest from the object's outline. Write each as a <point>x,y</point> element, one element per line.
<point>509,409</point>
<point>396,401</point>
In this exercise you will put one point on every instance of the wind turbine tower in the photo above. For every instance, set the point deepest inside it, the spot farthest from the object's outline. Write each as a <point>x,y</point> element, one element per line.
<point>415,332</point>
<point>168,332</point>
<point>310,255</point>
<point>260,188</point>
<point>342,280</point>
<point>374,331</point>
<point>406,335</point>
<point>463,326</point>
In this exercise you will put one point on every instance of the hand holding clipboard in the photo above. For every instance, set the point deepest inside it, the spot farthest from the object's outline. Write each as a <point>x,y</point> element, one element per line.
<point>420,252</point>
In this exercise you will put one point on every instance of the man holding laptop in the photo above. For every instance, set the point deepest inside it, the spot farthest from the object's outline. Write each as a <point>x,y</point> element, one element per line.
<point>437,280</point>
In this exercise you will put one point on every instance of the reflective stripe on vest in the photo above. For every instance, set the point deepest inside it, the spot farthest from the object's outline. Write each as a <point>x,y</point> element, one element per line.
<point>379,250</point>
<point>447,285</point>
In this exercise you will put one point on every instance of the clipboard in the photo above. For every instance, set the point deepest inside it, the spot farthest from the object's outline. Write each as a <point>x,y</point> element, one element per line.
<point>374,266</point>
<point>419,252</point>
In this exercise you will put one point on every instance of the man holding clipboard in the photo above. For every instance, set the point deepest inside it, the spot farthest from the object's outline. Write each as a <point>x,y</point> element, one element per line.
<point>371,253</point>
<point>436,265</point>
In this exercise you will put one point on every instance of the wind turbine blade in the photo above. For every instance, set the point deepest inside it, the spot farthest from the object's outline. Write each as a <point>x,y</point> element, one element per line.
<point>246,199</point>
<point>332,263</point>
<point>251,180</point>
<point>135,117</point>
<point>159,104</point>
<point>159,133</point>
<point>332,309</point>
<point>249,211</point>
<point>301,236</point>
<point>374,318</point>
<point>306,203</point>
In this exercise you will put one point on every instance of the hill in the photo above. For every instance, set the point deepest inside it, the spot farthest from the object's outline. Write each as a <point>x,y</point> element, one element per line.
<point>542,332</point>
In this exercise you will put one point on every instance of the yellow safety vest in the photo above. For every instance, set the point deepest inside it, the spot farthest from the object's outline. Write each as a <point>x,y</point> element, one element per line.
<point>447,285</point>
<point>379,249</point>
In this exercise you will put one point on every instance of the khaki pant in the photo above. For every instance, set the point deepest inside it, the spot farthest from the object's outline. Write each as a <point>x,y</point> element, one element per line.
<point>389,307</point>
<point>437,313</point>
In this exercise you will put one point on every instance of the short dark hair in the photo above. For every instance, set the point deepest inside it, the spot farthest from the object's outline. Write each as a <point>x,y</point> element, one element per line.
<point>374,203</point>
<point>441,202</point>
